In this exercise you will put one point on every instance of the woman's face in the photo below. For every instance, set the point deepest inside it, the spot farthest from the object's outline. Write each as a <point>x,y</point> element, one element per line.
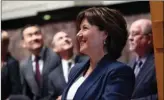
<point>90,38</point>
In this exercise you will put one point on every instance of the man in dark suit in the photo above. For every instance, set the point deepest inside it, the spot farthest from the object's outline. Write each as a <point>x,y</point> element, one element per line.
<point>37,67</point>
<point>140,42</point>
<point>63,45</point>
<point>10,76</point>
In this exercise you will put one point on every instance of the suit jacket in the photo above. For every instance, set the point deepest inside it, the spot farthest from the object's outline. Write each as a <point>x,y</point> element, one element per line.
<point>146,85</point>
<point>30,87</point>
<point>57,81</point>
<point>110,80</point>
<point>10,78</point>
<point>18,97</point>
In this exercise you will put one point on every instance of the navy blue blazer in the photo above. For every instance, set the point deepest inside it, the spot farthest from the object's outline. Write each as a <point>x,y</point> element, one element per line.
<point>110,80</point>
<point>56,79</point>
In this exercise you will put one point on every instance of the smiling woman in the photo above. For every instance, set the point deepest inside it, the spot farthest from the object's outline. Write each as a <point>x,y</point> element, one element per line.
<point>102,36</point>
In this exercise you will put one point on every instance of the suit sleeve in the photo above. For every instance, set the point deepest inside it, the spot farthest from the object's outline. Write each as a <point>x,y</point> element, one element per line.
<point>150,97</point>
<point>154,94</point>
<point>25,87</point>
<point>14,73</point>
<point>51,90</point>
<point>119,85</point>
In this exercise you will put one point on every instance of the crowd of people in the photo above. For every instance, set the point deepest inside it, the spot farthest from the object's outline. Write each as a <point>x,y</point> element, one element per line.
<point>95,74</point>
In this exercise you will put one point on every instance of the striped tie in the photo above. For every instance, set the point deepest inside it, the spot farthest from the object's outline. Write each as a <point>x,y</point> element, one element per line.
<point>137,67</point>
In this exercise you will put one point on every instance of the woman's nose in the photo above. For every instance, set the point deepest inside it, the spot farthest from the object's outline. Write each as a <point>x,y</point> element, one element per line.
<point>79,34</point>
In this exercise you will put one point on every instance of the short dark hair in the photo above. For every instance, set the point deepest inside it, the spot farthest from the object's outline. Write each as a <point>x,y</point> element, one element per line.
<point>27,26</point>
<point>112,22</point>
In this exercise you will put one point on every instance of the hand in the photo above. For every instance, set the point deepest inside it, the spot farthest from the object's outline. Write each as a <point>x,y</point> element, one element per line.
<point>59,98</point>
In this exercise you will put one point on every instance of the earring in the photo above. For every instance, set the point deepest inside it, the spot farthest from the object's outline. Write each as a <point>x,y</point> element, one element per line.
<point>104,42</point>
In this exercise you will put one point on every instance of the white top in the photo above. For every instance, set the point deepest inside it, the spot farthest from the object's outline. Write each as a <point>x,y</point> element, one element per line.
<point>65,67</point>
<point>74,87</point>
<point>34,64</point>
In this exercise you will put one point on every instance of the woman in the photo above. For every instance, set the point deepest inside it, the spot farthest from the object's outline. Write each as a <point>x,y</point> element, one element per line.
<point>102,36</point>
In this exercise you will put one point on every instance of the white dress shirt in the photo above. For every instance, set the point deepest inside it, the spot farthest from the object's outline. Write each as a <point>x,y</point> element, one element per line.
<point>34,64</point>
<point>74,87</point>
<point>65,67</point>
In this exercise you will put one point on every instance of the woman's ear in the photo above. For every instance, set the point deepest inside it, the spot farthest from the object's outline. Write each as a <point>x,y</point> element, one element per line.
<point>105,35</point>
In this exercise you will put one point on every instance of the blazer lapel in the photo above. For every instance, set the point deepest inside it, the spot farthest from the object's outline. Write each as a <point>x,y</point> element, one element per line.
<point>92,78</point>
<point>143,72</point>
<point>81,68</point>
<point>46,59</point>
<point>60,71</point>
<point>31,79</point>
<point>50,60</point>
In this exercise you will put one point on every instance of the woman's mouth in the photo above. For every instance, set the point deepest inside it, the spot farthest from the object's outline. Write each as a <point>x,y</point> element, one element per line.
<point>83,41</point>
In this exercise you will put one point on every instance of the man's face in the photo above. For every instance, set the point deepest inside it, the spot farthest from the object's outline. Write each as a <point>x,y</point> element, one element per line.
<point>62,42</point>
<point>137,40</point>
<point>33,38</point>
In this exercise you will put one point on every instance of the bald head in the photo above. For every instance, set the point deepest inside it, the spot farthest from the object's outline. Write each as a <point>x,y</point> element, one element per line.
<point>144,25</point>
<point>5,38</point>
<point>4,42</point>
<point>61,42</point>
<point>58,35</point>
<point>140,36</point>
<point>5,35</point>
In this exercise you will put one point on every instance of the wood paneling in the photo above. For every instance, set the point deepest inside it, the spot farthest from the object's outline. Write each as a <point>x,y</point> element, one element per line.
<point>157,17</point>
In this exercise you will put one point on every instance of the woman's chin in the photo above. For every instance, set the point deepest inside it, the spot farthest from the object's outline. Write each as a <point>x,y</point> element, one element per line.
<point>82,50</point>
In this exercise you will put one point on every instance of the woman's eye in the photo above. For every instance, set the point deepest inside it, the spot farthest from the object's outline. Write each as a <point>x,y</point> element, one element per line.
<point>85,27</point>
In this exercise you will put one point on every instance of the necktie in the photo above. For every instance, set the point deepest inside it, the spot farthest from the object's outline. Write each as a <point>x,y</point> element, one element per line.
<point>69,66</point>
<point>37,72</point>
<point>137,67</point>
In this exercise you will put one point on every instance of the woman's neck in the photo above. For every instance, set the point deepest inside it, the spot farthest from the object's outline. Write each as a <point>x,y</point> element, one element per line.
<point>94,59</point>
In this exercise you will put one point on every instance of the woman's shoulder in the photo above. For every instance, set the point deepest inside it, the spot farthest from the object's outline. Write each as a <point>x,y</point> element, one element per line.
<point>77,67</point>
<point>119,66</point>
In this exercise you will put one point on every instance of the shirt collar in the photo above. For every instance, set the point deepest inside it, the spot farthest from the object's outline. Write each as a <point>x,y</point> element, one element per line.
<point>72,59</point>
<point>143,59</point>
<point>41,54</point>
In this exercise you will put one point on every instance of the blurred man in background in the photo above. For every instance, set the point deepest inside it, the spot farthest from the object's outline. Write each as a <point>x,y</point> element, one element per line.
<point>10,75</point>
<point>63,45</point>
<point>141,43</point>
<point>38,66</point>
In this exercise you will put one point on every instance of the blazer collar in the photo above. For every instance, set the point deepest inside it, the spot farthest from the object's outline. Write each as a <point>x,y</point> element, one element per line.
<point>41,54</point>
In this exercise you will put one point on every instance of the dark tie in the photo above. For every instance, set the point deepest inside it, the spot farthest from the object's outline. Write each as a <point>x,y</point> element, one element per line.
<point>37,72</point>
<point>69,66</point>
<point>137,67</point>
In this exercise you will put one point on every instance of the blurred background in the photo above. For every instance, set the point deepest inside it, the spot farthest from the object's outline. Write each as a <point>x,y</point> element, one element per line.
<point>54,16</point>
